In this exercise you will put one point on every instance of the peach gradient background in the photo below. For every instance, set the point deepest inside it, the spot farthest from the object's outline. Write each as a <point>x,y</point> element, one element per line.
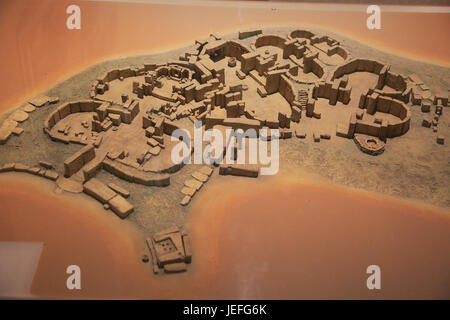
<point>270,238</point>
<point>38,50</point>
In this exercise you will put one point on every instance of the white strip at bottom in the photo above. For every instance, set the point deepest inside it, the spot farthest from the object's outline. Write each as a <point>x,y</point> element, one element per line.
<point>18,264</point>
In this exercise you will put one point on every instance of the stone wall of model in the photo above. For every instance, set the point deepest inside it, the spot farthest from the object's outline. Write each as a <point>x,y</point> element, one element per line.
<point>270,40</point>
<point>62,112</point>
<point>101,85</point>
<point>312,64</point>
<point>336,91</point>
<point>359,65</point>
<point>301,34</point>
<point>386,129</point>
<point>78,160</point>
<point>373,100</point>
<point>290,47</point>
<point>381,128</point>
<point>220,49</point>
<point>102,121</point>
<point>385,77</point>
<point>335,47</point>
<point>134,175</point>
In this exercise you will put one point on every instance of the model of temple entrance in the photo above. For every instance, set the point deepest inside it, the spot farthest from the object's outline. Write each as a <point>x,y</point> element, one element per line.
<point>305,85</point>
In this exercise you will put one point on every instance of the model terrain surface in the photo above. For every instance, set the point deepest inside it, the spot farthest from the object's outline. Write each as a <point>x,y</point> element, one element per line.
<point>342,113</point>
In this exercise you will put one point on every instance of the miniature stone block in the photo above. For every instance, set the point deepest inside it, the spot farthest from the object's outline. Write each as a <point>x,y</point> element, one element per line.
<point>206,170</point>
<point>52,175</point>
<point>20,116</point>
<point>244,170</point>
<point>240,74</point>
<point>150,131</point>
<point>175,267</point>
<point>248,33</point>
<point>123,192</point>
<point>285,133</point>
<point>158,138</point>
<point>301,134</point>
<point>296,114</point>
<point>342,130</point>
<point>115,118</point>
<point>4,135</point>
<point>155,150</point>
<point>185,201</point>
<point>7,167</point>
<point>152,142</point>
<point>200,176</point>
<point>194,184</point>
<point>441,98</point>
<point>21,167</point>
<point>261,91</point>
<point>98,190</point>
<point>316,137</point>
<point>425,106</point>
<point>17,131</point>
<point>120,206</point>
<point>426,123</point>
<point>46,165</point>
<point>188,191</point>
<point>359,114</point>
<point>416,99</point>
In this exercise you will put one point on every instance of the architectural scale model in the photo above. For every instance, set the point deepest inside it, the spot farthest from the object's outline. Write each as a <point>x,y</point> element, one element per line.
<point>114,142</point>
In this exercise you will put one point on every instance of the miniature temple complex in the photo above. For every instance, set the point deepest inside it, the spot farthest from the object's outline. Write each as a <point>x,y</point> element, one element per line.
<point>304,85</point>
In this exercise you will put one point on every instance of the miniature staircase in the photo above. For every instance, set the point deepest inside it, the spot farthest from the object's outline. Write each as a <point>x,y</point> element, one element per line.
<point>302,98</point>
